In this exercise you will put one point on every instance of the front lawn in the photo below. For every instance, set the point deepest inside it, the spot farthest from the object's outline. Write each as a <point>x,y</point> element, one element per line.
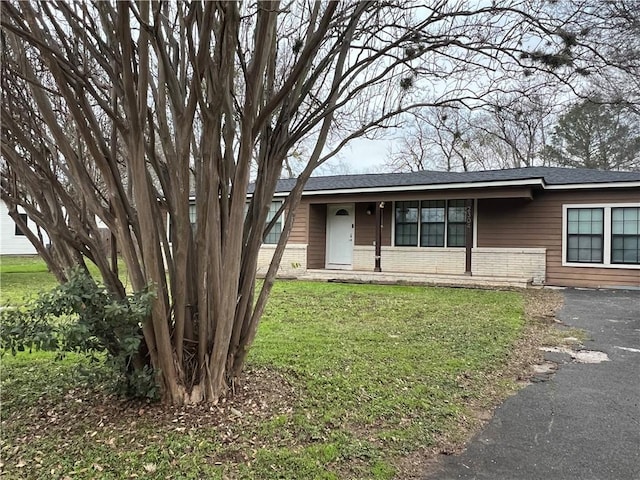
<point>24,276</point>
<point>21,277</point>
<point>343,381</point>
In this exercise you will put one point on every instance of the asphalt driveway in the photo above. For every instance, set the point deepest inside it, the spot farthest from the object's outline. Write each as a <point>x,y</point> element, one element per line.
<point>583,423</point>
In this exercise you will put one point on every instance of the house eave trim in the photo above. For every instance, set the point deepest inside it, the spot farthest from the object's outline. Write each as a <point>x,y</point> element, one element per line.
<point>538,182</point>
<point>575,186</point>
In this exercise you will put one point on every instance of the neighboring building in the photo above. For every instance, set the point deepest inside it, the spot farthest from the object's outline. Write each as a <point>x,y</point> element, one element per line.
<point>12,240</point>
<point>543,225</point>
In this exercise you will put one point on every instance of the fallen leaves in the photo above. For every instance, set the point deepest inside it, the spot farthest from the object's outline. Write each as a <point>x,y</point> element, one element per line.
<point>101,420</point>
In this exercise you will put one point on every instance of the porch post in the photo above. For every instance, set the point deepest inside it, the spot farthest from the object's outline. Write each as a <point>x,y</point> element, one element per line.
<point>379,207</point>
<point>468,211</point>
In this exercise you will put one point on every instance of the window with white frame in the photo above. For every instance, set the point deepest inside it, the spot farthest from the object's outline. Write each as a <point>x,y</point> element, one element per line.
<point>585,235</point>
<point>625,235</point>
<point>430,223</point>
<point>602,235</point>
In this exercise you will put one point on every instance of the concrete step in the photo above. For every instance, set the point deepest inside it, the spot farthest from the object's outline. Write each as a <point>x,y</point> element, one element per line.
<point>353,276</point>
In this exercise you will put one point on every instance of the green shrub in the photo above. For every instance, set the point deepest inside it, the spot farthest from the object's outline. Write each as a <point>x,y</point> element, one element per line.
<point>83,317</point>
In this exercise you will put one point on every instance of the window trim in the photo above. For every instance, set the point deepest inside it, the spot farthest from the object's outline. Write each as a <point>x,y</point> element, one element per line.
<point>623,236</point>
<point>445,247</point>
<point>444,223</point>
<point>590,235</point>
<point>417,223</point>
<point>17,232</point>
<point>607,234</point>
<point>281,220</point>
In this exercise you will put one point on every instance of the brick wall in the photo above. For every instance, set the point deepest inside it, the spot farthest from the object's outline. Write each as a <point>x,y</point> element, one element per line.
<point>411,260</point>
<point>526,263</point>
<point>294,259</point>
<point>529,263</point>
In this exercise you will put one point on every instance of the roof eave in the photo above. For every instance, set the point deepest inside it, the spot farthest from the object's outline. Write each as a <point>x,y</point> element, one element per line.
<point>581,186</point>
<point>531,182</point>
<point>535,182</point>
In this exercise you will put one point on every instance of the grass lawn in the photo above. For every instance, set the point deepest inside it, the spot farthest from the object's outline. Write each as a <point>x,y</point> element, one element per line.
<point>22,277</point>
<point>343,381</point>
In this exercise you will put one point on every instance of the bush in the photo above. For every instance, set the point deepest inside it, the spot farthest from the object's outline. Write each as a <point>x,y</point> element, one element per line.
<point>82,316</point>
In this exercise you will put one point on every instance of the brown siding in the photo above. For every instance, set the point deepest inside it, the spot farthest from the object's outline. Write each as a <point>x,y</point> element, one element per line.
<point>366,224</point>
<point>299,230</point>
<point>538,223</point>
<point>316,249</point>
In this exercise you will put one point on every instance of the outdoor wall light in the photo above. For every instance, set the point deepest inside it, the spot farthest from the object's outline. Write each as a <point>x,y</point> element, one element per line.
<point>371,208</point>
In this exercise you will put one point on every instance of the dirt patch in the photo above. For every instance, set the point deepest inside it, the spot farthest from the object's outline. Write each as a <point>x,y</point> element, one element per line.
<point>105,419</point>
<point>417,464</point>
<point>542,304</point>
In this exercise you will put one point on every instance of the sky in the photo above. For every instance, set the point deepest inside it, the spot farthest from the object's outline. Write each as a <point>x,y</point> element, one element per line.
<point>361,155</point>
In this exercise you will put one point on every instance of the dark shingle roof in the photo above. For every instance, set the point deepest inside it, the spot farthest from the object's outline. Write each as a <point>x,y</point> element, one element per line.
<point>550,176</point>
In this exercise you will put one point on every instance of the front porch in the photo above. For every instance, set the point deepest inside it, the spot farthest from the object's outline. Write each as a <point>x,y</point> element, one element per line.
<point>448,280</point>
<point>491,267</point>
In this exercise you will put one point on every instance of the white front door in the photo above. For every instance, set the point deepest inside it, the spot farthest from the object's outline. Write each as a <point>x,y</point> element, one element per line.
<point>340,227</point>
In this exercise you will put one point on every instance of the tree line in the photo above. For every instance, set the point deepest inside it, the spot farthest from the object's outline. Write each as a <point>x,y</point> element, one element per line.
<point>525,132</point>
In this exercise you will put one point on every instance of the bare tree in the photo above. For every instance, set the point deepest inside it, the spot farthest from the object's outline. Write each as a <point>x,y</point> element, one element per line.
<point>508,131</point>
<point>125,112</point>
<point>612,29</point>
<point>513,129</point>
<point>506,127</point>
<point>417,148</point>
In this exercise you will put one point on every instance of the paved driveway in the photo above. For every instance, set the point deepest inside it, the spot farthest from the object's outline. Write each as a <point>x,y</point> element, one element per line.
<point>581,424</point>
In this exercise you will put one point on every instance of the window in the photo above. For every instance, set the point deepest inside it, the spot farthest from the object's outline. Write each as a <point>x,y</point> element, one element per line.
<point>440,223</point>
<point>585,235</point>
<point>406,223</point>
<point>274,234</point>
<point>18,231</point>
<point>602,235</point>
<point>272,237</point>
<point>625,240</point>
<point>456,223</point>
<point>432,223</point>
